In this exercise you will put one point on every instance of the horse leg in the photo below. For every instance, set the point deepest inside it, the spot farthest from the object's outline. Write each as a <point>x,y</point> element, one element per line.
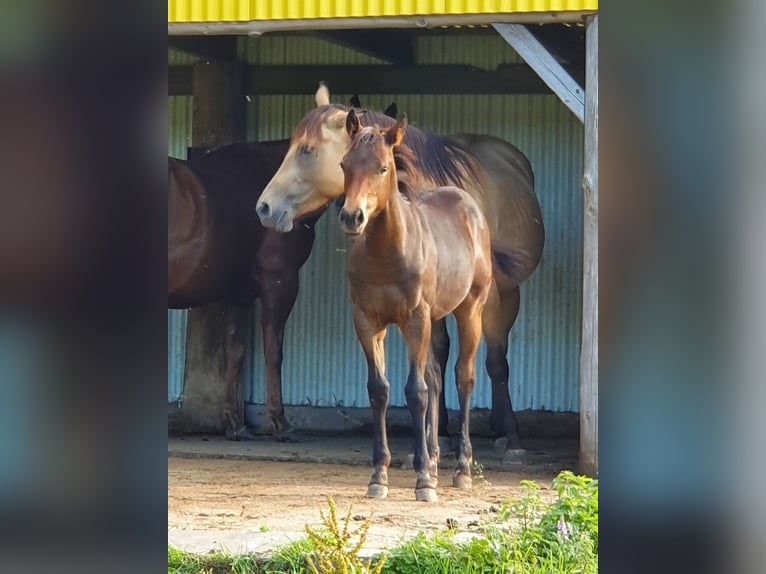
<point>277,300</point>
<point>469,322</point>
<point>498,319</point>
<point>371,337</point>
<point>234,350</point>
<point>434,382</point>
<point>417,336</point>
<point>440,349</point>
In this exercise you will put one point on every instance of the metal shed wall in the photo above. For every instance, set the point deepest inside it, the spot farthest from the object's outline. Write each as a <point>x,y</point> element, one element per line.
<point>323,363</point>
<point>179,137</point>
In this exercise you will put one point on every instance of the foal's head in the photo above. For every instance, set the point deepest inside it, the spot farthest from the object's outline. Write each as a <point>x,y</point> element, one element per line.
<point>369,172</point>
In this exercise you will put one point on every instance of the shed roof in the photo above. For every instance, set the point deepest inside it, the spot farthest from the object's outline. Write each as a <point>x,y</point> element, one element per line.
<point>188,11</point>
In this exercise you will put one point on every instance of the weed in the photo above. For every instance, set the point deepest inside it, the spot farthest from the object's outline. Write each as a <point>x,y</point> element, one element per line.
<point>477,472</point>
<point>336,548</point>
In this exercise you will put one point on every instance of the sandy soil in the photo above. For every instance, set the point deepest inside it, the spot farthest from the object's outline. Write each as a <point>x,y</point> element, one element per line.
<point>253,505</point>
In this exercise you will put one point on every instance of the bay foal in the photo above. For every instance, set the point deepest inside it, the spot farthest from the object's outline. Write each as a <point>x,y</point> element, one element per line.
<point>415,259</point>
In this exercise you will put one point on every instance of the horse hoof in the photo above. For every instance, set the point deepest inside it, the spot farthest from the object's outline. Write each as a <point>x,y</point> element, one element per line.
<point>513,454</point>
<point>242,434</point>
<point>286,436</point>
<point>408,463</point>
<point>426,495</point>
<point>377,491</point>
<point>462,482</point>
<point>500,444</point>
<point>514,458</point>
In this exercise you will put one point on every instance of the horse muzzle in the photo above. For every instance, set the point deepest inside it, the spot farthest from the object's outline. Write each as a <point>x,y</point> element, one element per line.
<point>279,220</point>
<point>352,222</point>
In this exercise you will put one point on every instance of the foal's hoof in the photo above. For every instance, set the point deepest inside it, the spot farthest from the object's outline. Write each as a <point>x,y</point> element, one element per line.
<point>377,491</point>
<point>426,495</point>
<point>462,482</point>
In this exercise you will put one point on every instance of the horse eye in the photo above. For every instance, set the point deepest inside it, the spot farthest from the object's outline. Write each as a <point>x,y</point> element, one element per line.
<point>383,170</point>
<point>305,150</point>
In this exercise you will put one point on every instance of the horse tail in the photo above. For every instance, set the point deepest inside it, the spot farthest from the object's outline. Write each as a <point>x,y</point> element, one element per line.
<point>511,263</point>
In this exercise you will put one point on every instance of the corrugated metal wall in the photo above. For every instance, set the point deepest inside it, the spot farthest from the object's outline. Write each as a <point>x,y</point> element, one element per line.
<point>323,363</point>
<point>179,137</point>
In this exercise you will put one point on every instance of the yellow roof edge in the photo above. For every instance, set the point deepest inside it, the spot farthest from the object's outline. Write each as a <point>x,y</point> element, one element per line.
<point>217,11</point>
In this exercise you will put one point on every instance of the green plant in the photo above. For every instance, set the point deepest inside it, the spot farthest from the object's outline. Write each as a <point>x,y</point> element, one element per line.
<point>289,559</point>
<point>335,549</point>
<point>477,472</point>
<point>214,563</point>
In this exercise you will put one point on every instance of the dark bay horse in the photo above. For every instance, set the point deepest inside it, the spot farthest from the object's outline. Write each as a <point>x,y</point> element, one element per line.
<point>413,261</point>
<point>495,173</point>
<point>218,250</point>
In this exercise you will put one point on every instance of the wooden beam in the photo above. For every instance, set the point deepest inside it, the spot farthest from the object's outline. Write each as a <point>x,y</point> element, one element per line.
<point>381,79</point>
<point>589,349</point>
<point>395,46</point>
<point>213,48</point>
<point>546,66</point>
<point>218,119</point>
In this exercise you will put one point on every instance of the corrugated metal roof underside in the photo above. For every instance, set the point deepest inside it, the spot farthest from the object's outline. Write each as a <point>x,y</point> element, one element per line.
<point>323,362</point>
<point>483,51</point>
<point>246,10</point>
<point>176,353</point>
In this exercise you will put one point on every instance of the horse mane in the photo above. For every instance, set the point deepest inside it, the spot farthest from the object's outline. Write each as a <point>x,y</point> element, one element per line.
<point>435,157</point>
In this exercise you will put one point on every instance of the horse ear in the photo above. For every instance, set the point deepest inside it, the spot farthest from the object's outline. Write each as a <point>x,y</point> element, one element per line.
<point>354,101</point>
<point>391,110</point>
<point>352,123</point>
<point>322,95</point>
<point>395,135</point>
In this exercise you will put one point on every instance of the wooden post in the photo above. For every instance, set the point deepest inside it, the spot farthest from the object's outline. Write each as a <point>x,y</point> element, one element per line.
<point>218,119</point>
<point>589,349</point>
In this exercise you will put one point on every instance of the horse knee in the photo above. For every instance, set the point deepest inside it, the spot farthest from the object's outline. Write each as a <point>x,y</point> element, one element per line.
<point>497,365</point>
<point>377,390</point>
<point>416,395</point>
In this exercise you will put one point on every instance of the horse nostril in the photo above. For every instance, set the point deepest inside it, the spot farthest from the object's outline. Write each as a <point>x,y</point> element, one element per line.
<point>262,209</point>
<point>359,217</point>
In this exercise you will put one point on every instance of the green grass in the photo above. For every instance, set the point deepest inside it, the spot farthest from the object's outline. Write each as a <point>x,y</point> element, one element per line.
<point>527,536</point>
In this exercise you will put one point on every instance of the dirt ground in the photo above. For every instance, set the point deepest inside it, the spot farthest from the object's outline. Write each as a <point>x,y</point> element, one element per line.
<point>251,497</point>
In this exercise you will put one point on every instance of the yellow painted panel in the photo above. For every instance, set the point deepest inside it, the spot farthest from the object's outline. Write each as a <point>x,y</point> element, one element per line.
<point>246,10</point>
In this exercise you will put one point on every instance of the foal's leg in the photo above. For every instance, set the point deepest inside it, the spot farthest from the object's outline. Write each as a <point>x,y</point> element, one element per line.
<point>440,349</point>
<point>435,388</point>
<point>277,300</point>
<point>417,336</point>
<point>371,337</point>
<point>468,316</point>
<point>498,318</point>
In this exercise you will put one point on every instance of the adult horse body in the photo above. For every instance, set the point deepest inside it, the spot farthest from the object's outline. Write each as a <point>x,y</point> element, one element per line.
<point>218,250</point>
<point>496,174</point>
<point>414,261</point>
